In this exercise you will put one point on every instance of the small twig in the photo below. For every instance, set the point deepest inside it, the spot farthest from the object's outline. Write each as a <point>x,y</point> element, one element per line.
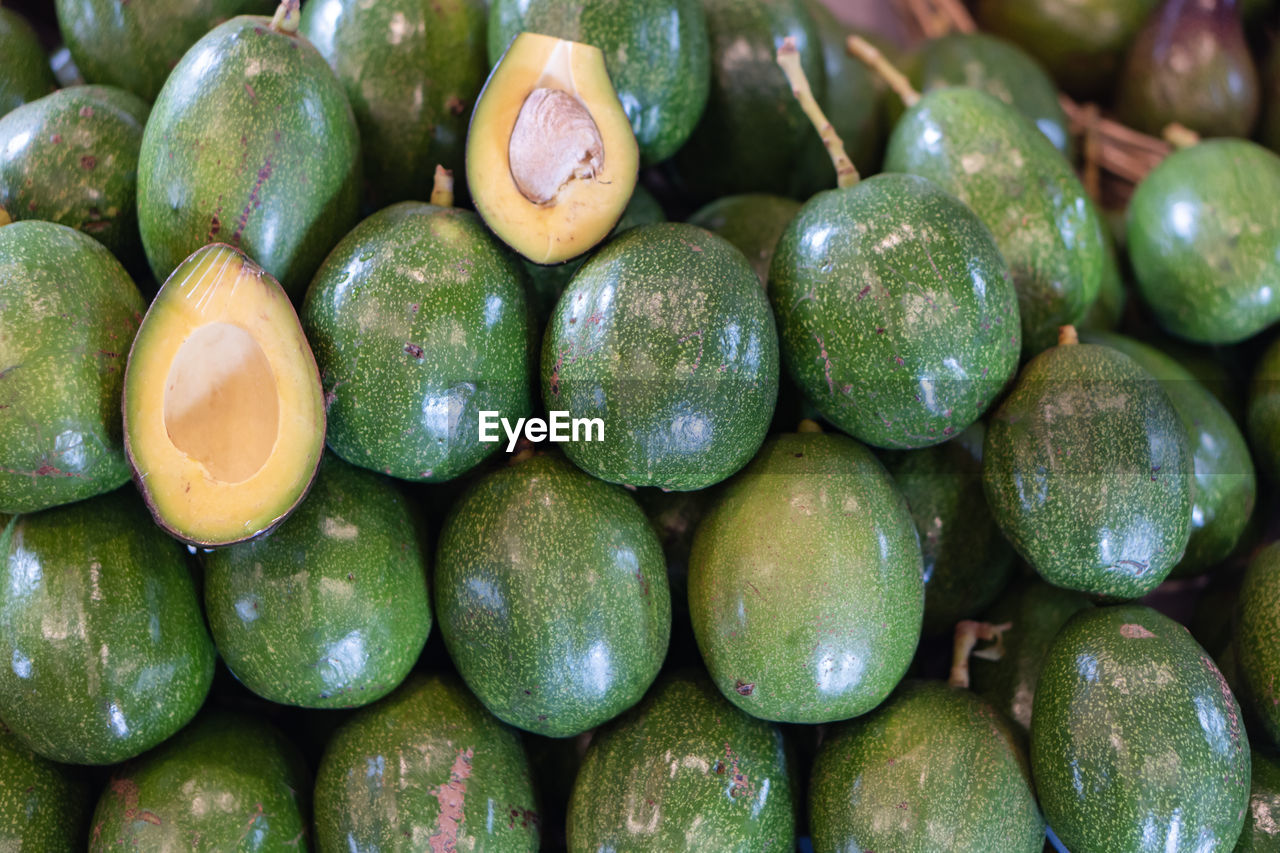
<point>930,21</point>
<point>1092,173</point>
<point>1180,136</point>
<point>875,60</point>
<point>958,15</point>
<point>1068,336</point>
<point>968,633</point>
<point>788,59</point>
<point>442,188</point>
<point>287,17</point>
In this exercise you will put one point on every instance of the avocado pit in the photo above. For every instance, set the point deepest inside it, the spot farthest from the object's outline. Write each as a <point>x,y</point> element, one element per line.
<point>554,141</point>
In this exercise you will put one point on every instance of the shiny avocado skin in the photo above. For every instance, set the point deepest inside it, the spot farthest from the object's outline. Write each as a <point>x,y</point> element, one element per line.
<point>683,771</point>
<point>43,806</point>
<point>1263,413</point>
<point>934,768</point>
<point>1137,742</point>
<point>752,222</point>
<point>1256,638</point>
<point>331,609</point>
<point>551,591</point>
<point>27,74</point>
<point>100,622</point>
<point>1261,833</point>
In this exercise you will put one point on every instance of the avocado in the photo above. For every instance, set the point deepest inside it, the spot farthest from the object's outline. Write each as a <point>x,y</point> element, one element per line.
<point>1136,740</point>
<point>806,585</point>
<point>752,222</point>
<point>934,768</point>
<point>72,158</point>
<point>223,410</point>
<point>331,609</point>
<point>1263,419</point>
<point>1204,232</point>
<point>43,806</point>
<point>426,768</point>
<point>656,53</point>
<point>683,771</point>
<point>251,142</point>
<point>1088,471</point>
<point>227,781</point>
<point>1255,637</point>
<point>70,313</point>
<point>1261,833</point>
<point>666,337</point>
<point>27,75</point>
<point>412,71</point>
<point>99,621</point>
<point>419,322</point>
<point>1270,128</point>
<point>552,596</point>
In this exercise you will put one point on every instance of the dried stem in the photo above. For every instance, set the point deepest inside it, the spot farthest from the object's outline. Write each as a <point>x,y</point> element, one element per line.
<point>936,18</point>
<point>1067,336</point>
<point>287,17</point>
<point>442,188</point>
<point>1092,173</point>
<point>5,219</point>
<point>1180,136</point>
<point>875,60</point>
<point>789,61</point>
<point>968,633</point>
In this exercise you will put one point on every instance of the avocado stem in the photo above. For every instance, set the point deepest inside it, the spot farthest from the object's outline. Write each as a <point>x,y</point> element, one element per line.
<point>287,17</point>
<point>1180,136</point>
<point>442,188</point>
<point>809,425</point>
<point>1067,336</point>
<point>968,633</point>
<point>876,61</point>
<point>788,59</point>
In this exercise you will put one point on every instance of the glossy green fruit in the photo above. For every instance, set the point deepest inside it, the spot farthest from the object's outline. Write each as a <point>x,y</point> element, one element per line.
<point>805,582</point>
<point>26,69</point>
<point>70,314</point>
<point>100,624</point>
<point>1257,637</point>
<point>1088,472</point>
<point>427,768</point>
<point>1261,833</point>
<point>419,322</point>
<point>251,142</point>
<point>684,772</point>
<point>330,610</point>
<point>412,70</point>
<point>896,314</point>
<point>1136,741</point>
<point>552,596</point>
<point>43,806</point>
<point>1264,411</point>
<point>989,156</point>
<point>752,222</point>
<point>1204,233</point>
<point>665,336</point>
<point>935,768</point>
<point>225,782</point>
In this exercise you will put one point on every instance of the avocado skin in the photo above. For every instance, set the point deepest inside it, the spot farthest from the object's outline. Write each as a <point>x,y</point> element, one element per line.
<point>806,587</point>
<point>227,781</point>
<point>1136,739</point>
<point>1088,472</point>
<point>752,222</point>
<point>683,771</point>
<point>426,766</point>
<point>1257,637</point>
<point>27,75</point>
<point>1263,413</point>
<point>331,609</point>
<point>558,631</point>
<point>99,617</point>
<point>1261,833</point>
<point>44,807</point>
<point>70,314</point>
<point>934,768</point>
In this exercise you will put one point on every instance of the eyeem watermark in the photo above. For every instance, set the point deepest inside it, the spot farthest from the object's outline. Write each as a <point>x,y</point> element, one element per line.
<point>559,428</point>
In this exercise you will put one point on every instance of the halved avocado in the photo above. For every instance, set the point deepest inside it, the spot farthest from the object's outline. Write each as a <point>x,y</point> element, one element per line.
<point>551,159</point>
<point>223,411</point>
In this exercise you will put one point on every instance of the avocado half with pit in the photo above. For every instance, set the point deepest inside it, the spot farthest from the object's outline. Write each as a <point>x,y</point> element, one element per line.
<point>551,159</point>
<point>223,411</point>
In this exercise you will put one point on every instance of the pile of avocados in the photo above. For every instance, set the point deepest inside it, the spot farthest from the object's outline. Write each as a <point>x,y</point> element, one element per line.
<point>639,426</point>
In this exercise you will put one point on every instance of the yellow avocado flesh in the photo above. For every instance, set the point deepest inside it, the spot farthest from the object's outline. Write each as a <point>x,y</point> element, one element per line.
<point>551,158</point>
<point>224,413</point>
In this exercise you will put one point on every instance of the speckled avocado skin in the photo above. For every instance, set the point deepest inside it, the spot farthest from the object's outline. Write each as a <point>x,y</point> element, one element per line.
<point>1087,471</point>
<point>70,314</point>
<point>418,321</point>
<point>252,143</point>
<point>985,153</point>
<point>99,621</point>
<point>1136,740</point>
<point>666,336</point>
<point>897,317</point>
<point>1203,235</point>
<point>1263,416</point>
<point>226,782</point>
<point>752,222</point>
<point>426,768</point>
<point>27,75</point>
<point>1257,637</point>
<point>806,587</point>
<point>683,772</point>
<point>1261,833</point>
<point>934,768</point>
<point>43,805</point>
<point>331,609</point>
<point>552,596</point>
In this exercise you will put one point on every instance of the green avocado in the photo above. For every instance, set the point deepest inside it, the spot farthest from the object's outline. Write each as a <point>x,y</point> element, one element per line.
<point>43,805</point>
<point>251,142</point>
<point>70,314</point>
<point>1263,418</point>
<point>897,317</point>
<point>1204,233</point>
<point>989,156</point>
<point>752,222</point>
<point>666,337</point>
<point>552,596</point>
<point>72,158</point>
<point>1136,740</point>
<point>412,70</point>
<point>683,772</point>
<point>426,768</point>
<point>101,628</point>
<point>419,322</point>
<point>27,75</point>
<point>228,781</point>
<point>1261,833</point>
<point>934,768</point>
<point>806,585</point>
<point>1257,637</point>
<point>330,610</point>
<point>1088,472</point>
